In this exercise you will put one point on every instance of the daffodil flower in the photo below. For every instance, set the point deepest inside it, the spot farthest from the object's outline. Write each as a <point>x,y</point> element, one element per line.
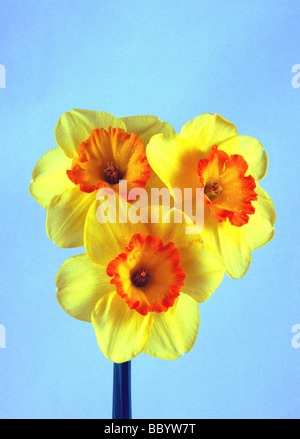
<point>139,284</point>
<point>208,153</point>
<point>95,149</point>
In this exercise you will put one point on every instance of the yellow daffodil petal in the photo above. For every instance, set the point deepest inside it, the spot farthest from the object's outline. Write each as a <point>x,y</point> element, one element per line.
<point>252,151</point>
<point>203,268</point>
<point>207,130</point>
<point>103,242</point>
<point>66,216</point>
<point>76,126</point>
<point>154,182</point>
<point>172,225</point>
<point>259,230</point>
<point>175,331</point>
<point>121,333</point>
<point>173,158</point>
<point>80,284</point>
<point>146,126</point>
<point>49,176</point>
<point>230,242</point>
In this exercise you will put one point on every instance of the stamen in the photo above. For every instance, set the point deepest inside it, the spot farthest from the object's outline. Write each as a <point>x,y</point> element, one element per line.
<point>112,173</point>
<point>213,190</point>
<point>140,278</point>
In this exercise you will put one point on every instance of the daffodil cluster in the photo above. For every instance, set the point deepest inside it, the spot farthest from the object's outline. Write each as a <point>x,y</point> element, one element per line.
<point>146,268</point>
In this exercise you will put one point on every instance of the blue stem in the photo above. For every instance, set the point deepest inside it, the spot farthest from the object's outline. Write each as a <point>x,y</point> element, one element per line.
<point>122,391</point>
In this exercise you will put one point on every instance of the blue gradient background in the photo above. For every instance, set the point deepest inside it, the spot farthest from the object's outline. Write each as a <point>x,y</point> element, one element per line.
<point>176,60</point>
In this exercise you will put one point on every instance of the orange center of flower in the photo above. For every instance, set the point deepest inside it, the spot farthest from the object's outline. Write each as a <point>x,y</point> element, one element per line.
<point>213,190</point>
<point>140,278</point>
<point>112,173</point>
<point>147,274</point>
<point>107,157</point>
<point>228,192</point>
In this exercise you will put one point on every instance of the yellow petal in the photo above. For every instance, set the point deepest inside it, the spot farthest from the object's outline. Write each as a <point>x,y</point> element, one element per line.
<point>146,126</point>
<point>66,217</point>
<point>80,284</point>
<point>175,161</point>
<point>172,225</point>
<point>121,333</point>
<point>76,126</point>
<point>104,242</point>
<point>49,176</point>
<point>252,151</point>
<point>153,182</point>
<point>208,130</point>
<point>259,230</point>
<point>203,268</point>
<point>230,242</point>
<point>174,331</point>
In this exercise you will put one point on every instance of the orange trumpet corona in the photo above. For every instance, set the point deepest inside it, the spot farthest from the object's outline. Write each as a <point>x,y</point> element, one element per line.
<point>228,192</point>
<point>147,274</point>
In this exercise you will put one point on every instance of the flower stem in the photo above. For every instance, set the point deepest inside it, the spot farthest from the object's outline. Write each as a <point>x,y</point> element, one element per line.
<point>122,391</point>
